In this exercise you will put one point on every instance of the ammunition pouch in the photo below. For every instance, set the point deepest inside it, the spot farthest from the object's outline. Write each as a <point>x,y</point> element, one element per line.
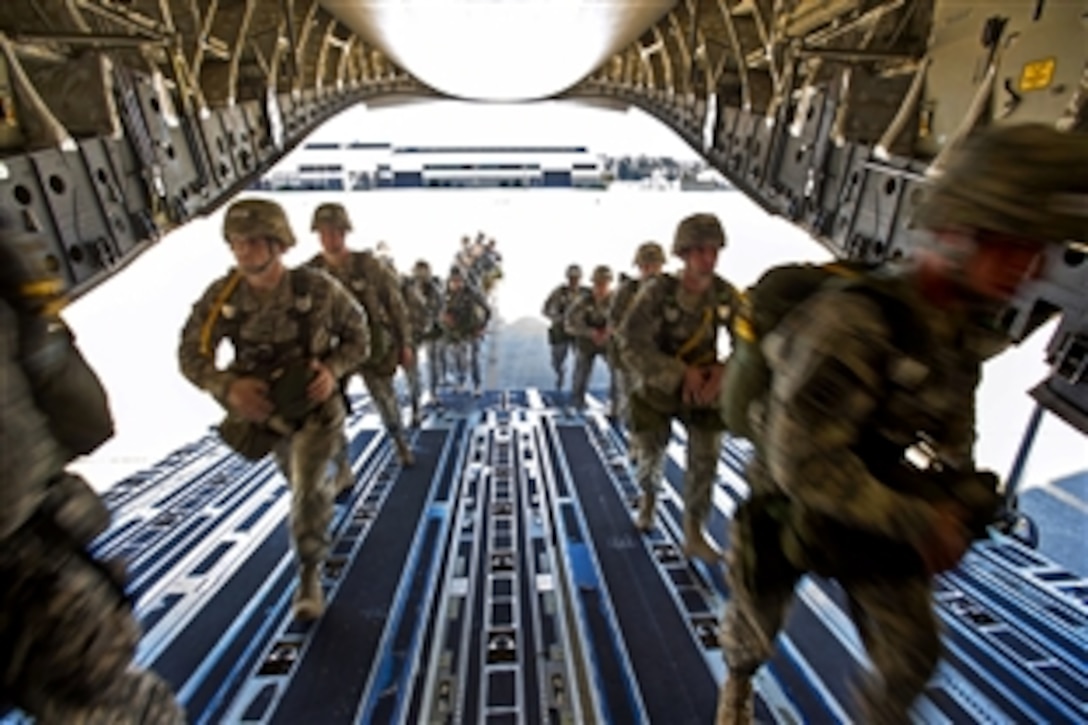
<point>287,390</point>
<point>252,441</point>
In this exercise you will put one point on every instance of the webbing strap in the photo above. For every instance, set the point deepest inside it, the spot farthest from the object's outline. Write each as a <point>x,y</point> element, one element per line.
<point>705,325</point>
<point>213,314</point>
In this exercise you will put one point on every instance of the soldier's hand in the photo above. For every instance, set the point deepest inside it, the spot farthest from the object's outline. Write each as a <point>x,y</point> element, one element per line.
<point>248,397</point>
<point>712,384</point>
<point>323,384</point>
<point>407,357</point>
<point>692,386</point>
<point>948,538</point>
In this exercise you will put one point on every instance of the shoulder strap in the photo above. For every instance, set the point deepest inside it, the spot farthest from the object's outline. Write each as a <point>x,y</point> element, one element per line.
<point>303,306</point>
<point>214,312</point>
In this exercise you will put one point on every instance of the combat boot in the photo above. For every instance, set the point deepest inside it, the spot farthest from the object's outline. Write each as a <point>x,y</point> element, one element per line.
<point>309,601</point>
<point>735,704</point>
<point>415,415</point>
<point>697,544</point>
<point>646,505</point>
<point>404,451</point>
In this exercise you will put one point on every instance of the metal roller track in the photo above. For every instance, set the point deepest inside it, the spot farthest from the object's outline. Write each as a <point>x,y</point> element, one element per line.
<point>500,580</point>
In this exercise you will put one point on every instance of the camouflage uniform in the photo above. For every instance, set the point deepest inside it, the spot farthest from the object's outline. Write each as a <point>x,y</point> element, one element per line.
<point>416,305</point>
<point>666,331</point>
<point>67,631</point>
<point>555,309</point>
<point>588,316</point>
<point>266,333</point>
<point>464,317</point>
<point>378,291</point>
<point>436,343</point>
<point>831,362</point>
<point>376,286</point>
<point>647,253</point>
<point>854,384</point>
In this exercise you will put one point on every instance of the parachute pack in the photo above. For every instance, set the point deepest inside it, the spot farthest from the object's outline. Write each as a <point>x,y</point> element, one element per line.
<point>764,305</point>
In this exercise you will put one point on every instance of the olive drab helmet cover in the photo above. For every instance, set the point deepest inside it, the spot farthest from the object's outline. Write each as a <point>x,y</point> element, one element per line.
<point>258,218</point>
<point>698,230</point>
<point>1027,180</point>
<point>649,253</point>
<point>331,214</point>
<point>602,273</point>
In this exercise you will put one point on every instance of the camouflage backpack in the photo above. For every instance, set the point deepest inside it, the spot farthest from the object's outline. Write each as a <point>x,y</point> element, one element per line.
<point>765,304</point>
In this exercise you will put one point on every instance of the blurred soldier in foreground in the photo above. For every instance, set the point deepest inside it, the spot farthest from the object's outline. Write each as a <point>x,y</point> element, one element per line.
<point>67,631</point>
<point>868,375</point>
<point>587,324</point>
<point>650,259</point>
<point>669,346</point>
<point>555,309</point>
<point>377,288</point>
<point>464,318</point>
<point>296,334</point>
<point>423,297</point>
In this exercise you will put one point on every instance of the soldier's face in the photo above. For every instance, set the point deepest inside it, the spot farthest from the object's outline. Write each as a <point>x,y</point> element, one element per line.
<point>998,266</point>
<point>701,261</point>
<point>650,269</point>
<point>253,254</point>
<point>333,238</point>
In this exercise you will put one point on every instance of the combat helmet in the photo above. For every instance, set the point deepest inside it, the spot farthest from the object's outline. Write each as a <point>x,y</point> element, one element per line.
<point>258,218</point>
<point>1027,181</point>
<point>573,271</point>
<point>422,269</point>
<point>331,214</point>
<point>602,273</point>
<point>649,253</point>
<point>698,230</point>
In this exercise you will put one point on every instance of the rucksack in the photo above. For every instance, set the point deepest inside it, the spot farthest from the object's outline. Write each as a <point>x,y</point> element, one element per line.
<point>65,387</point>
<point>766,303</point>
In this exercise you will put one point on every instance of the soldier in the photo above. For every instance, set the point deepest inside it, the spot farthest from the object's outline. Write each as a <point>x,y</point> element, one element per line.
<point>67,631</point>
<point>490,264</point>
<point>587,324</point>
<point>424,300</point>
<point>464,318</point>
<point>295,334</point>
<point>668,343</point>
<point>650,259</point>
<point>377,288</point>
<point>555,309</point>
<point>859,378</point>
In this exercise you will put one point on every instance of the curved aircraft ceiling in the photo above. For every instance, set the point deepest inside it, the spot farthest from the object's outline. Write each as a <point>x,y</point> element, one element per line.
<point>499,51</point>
